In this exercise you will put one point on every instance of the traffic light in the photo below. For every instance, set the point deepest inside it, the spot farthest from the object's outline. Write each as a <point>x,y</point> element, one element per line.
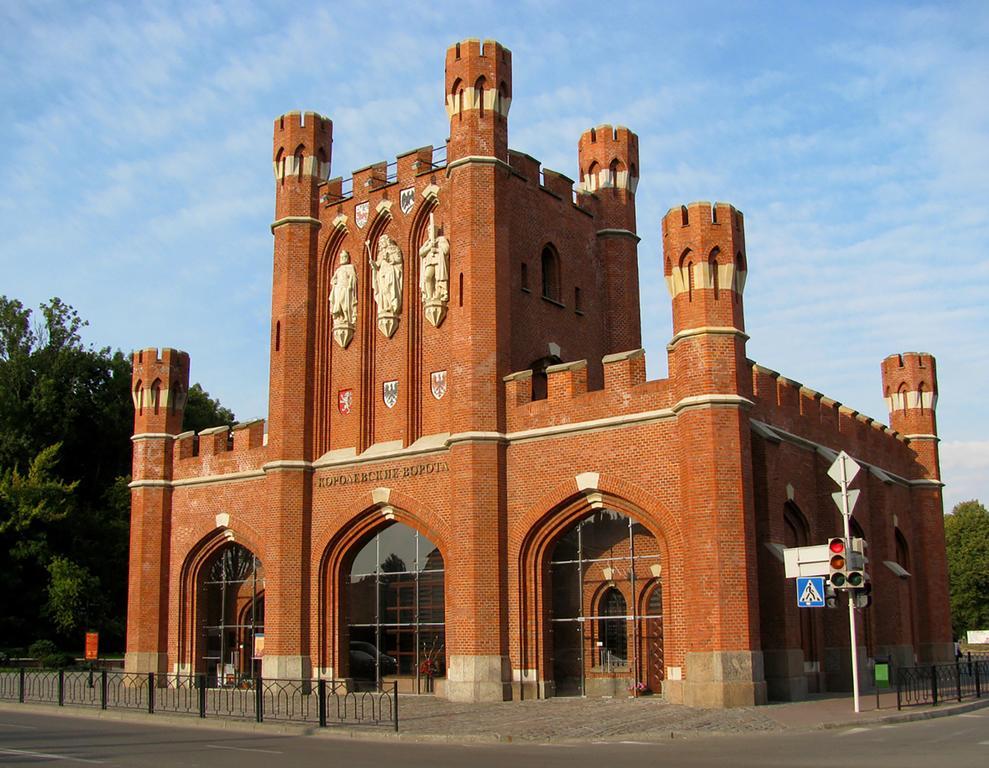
<point>830,597</point>
<point>862,597</point>
<point>838,564</point>
<point>855,565</point>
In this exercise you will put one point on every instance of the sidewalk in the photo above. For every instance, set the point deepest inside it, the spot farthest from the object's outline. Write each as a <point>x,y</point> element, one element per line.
<point>562,720</point>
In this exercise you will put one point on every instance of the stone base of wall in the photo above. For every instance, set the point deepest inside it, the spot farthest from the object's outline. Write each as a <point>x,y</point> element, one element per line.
<point>146,661</point>
<point>901,655</point>
<point>785,676</point>
<point>838,669</point>
<point>721,679</point>
<point>286,667</point>
<point>936,653</point>
<point>478,678</point>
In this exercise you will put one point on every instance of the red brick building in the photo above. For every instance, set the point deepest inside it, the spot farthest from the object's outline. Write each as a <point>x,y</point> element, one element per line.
<point>465,480</point>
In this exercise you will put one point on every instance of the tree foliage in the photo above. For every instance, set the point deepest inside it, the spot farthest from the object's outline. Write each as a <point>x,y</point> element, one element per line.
<point>203,412</point>
<point>966,532</point>
<point>65,453</point>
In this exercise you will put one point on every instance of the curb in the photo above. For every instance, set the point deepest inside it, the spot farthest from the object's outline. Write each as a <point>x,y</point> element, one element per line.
<point>274,728</point>
<point>909,717</point>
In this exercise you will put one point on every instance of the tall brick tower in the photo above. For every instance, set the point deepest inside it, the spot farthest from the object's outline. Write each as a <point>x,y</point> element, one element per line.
<point>704,264</point>
<point>609,167</point>
<point>478,97</point>
<point>159,384</point>
<point>910,390</point>
<point>302,147</point>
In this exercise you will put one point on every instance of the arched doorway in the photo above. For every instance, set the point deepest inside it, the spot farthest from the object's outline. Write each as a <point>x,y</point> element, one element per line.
<point>606,608</point>
<point>231,594</point>
<point>395,619</point>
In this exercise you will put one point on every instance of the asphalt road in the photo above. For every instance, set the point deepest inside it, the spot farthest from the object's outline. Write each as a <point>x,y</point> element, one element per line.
<point>29,739</point>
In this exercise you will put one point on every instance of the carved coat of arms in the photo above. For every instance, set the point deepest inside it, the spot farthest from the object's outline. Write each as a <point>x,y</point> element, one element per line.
<point>406,199</point>
<point>437,383</point>
<point>345,401</point>
<point>360,214</point>
<point>389,392</point>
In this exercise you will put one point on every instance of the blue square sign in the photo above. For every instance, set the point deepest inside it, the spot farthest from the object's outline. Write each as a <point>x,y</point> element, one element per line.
<point>810,591</point>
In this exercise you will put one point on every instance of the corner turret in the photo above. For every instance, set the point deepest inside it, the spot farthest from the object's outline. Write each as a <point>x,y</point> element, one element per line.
<point>705,266</point>
<point>159,387</point>
<point>478,97</point>
<point>609,170</point>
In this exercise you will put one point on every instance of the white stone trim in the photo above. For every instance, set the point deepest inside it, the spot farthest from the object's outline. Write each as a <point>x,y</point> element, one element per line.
<point>479,160</point>
<point>587,481</point>
<point>149,484</point>
<point>618,233</point>
<point>707,330</point>
<point>152,436</point>
<point>222,520</point>
<point>712,401</point>
<point>935,438</point>
<point>595,425</point>
<point>232,477</point>
<point>295,220</point>
<point>729,278</point>
<point>471,102</point>
<point>914,399</point>
<point>617,357</point>
<point>290,465</point>
<point>380,495</point>
<point>431,192</point>
<point>340,222</point>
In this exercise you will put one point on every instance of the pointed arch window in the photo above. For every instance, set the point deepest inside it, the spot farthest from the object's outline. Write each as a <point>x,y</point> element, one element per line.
<point>550,262</point>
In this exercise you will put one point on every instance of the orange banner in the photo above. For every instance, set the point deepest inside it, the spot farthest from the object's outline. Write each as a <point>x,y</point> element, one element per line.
<point>92,646</point>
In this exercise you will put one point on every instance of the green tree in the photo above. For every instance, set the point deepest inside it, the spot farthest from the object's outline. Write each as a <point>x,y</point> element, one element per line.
<point>203,412</point>
<point>966,532</point>
<point>66,418</point>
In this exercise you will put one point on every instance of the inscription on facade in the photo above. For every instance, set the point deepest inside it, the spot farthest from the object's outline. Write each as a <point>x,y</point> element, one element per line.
<point>383,473</point>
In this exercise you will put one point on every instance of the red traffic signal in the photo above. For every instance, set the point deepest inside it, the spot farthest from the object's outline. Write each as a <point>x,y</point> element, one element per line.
<point>838,564</point>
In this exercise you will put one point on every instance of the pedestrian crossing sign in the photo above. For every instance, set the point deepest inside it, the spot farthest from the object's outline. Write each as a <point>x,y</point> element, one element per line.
<point>810,591</point>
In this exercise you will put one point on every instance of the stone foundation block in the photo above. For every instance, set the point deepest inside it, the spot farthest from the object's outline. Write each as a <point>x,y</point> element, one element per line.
<point>479,678</point>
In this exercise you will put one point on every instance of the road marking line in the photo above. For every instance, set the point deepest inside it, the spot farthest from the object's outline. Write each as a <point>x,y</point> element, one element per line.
<point>24,727</point>
<point>245,749</point>
<point>28,753</point>
<point>971,715</point>
<point>856,730</point>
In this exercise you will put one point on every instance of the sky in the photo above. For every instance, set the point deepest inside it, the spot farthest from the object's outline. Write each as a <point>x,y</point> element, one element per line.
<point>136,178</point>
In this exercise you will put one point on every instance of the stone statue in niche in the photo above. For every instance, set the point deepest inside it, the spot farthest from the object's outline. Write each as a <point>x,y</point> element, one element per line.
<point>343,301</point>
<point>386,280</point>
<point>434,275</point>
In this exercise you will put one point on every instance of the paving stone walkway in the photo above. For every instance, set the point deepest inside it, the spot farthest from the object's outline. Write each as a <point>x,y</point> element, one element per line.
<point>562,719</point>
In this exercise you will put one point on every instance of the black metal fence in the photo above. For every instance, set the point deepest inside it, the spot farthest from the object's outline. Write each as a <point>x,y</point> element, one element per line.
<point>320,702</point>
<point>935,683</point>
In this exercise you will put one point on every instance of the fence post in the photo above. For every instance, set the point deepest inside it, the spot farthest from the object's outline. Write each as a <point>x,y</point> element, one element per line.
<point>151,693</point>
<point>978,682</point>
<point>201,681</point>
<point>899,683</point>
<point>394,708</point>
<point>103,688</point>
<point>934,684</point>
<point>259,698</point>
<point>958,679</point>
<point>61,687</point>
<point>20,694</point>
<point>321,689</point>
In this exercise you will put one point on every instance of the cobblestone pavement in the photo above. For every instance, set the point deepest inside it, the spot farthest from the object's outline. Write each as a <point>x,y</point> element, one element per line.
<point>562,719</point>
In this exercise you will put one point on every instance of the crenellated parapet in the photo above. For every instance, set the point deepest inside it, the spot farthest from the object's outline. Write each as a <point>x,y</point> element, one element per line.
<point>704,250</point>
<point>220,450</point>
<point>609,159</point>
<point>626,395</point>
<point>805,417</point>
<point>159,387</point>
<point>302,146</point>
<point>478,96</point>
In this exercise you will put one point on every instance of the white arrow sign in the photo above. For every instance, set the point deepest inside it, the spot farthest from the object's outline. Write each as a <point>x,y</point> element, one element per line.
<point>853,496</point>
<point>851,469</point>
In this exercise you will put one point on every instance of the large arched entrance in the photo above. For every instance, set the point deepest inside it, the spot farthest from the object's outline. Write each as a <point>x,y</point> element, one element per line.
<point>606,608</point>
<point>231,600</point>
<point>394,617</point>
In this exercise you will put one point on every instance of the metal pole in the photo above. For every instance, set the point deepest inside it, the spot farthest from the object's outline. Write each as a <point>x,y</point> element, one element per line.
<point>151,693</point>
<point>847,515</point>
